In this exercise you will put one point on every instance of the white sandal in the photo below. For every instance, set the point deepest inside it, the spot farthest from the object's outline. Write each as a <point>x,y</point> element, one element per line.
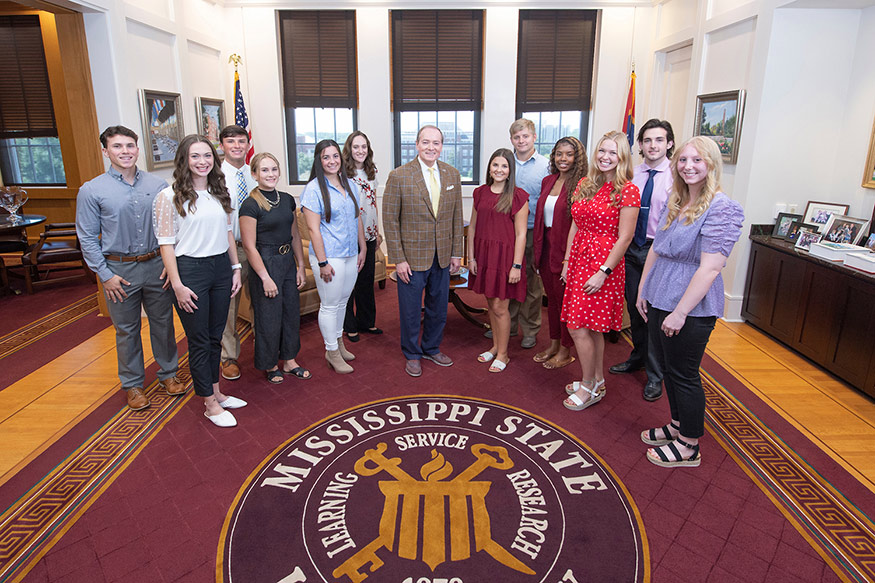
<point>570,388</point>
<point>498,366</point>
<point>485,357</point>
<point>578,403</point>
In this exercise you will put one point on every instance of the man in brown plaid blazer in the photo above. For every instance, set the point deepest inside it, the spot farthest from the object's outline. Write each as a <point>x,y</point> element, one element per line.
<point>422,219</point>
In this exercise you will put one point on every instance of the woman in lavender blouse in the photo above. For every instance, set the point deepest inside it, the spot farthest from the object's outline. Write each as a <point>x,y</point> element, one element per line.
<point>681,293</point>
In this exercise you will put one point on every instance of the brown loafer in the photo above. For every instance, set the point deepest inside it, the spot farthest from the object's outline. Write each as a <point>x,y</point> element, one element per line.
<point>413,368</point>
<point>439,358</point>
<point>173,386</point>
<point>230,370</point>
<point>137,401</point>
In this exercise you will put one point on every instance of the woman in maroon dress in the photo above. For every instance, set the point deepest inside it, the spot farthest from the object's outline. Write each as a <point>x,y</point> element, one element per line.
<point>552,221</point>
<point>604,207</point>
<point>498,231</point>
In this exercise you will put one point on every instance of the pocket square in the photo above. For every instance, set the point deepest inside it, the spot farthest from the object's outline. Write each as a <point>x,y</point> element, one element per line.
<point>451,186</point>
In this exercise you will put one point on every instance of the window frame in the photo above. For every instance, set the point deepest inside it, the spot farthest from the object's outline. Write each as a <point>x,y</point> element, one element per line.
<point>293,100</point>
<point>472,101</point>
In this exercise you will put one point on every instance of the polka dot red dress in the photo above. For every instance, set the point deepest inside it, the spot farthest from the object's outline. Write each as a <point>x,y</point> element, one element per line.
<point>598,228</point>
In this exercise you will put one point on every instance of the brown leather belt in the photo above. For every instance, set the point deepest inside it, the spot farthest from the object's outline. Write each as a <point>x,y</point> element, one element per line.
<point>133,258</point>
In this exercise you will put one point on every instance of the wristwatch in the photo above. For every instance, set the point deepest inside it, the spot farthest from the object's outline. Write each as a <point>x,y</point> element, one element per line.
<point>323,263</point>
<point>517,266</point>
<point>605,269</point>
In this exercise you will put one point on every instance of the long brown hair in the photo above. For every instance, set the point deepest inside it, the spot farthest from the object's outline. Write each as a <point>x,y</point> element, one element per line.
<point>505,200</point>
<point>256,194</point>
<point>183,190</point>
<point>595,178</point>
<point>680,192</point>
<point>318,172</point>
<point>348,162</point>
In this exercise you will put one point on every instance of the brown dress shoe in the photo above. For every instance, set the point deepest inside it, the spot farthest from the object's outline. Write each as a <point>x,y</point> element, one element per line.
<point>230,370</point>
<point>173,386</point>
<point>413,368</point>
<point>439,358</point>
<point>136,399</point>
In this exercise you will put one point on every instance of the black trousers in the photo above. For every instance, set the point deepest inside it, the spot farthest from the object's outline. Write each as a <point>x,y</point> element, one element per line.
<point>277,319</point>
<point>680,357</point>
<point>641,354</point>
<point>210,280</point>
<point>364,314</point>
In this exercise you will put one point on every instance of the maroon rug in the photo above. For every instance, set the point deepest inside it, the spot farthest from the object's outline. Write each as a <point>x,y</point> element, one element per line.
<point>170,512</point>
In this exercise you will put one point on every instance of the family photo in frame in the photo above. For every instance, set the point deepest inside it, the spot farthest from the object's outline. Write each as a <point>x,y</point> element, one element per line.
<point>819,213</point>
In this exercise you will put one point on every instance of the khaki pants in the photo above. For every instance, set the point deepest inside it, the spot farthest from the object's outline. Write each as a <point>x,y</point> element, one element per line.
<point>230,339</point>
<point>528,313</point>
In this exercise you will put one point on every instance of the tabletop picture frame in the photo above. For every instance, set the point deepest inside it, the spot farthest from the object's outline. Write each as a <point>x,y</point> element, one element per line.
<point>210,119</point>
<point>782,224</point>
<point>161,113</point>
<point>805,240</point>
<point>844,229</point>
<point>797,227</point>
<point>819,213</point>
<point>719,116</point>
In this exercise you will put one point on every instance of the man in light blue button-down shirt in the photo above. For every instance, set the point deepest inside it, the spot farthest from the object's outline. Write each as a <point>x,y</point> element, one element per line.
<point>531,168</point>
<point>115,229</point>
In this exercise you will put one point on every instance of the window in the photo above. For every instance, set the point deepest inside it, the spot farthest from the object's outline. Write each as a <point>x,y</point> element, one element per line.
<point>554,72</point>
<point>30,153</point>
<point>437,74</point>
<point>320,87</point>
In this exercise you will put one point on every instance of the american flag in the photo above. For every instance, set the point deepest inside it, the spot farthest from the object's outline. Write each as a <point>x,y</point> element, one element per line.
<point>240,117</point>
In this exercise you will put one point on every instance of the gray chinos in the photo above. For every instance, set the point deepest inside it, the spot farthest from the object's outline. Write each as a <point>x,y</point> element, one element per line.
<point>146,291</point>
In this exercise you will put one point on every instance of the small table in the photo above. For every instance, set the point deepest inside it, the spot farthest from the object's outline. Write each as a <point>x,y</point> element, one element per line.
<point>460,281</point>
<point>9,240</point>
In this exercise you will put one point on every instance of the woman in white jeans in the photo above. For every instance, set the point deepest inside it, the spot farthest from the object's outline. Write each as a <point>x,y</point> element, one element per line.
<point>337,245</point>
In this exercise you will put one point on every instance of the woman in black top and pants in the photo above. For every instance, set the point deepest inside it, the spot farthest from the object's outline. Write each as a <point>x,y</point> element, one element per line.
<point>273,245</point>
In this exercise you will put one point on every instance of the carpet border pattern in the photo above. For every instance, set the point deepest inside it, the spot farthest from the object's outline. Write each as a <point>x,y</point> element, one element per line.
<point>835,528</point>
<point>27,335</point>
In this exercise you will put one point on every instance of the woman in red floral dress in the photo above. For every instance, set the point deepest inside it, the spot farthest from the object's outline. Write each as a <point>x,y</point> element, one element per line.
<point>604,208</point>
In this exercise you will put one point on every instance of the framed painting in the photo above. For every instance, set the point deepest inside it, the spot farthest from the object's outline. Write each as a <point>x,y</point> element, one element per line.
<point>719,117</point>
<point>869,173</point>
<point>842,229</point>
<point>162,127</point>
<point>819,213</point>
<point>782,224</point>
<point>210,119</point>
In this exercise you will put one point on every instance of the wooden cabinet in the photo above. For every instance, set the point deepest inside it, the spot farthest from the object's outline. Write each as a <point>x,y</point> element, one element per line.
<point>821,309</point>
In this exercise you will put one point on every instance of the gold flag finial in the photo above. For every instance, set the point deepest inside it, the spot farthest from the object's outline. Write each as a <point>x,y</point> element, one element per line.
<point>235,58</point>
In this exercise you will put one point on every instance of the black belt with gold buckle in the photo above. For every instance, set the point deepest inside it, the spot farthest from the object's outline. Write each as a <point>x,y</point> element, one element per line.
<point>277,249</point>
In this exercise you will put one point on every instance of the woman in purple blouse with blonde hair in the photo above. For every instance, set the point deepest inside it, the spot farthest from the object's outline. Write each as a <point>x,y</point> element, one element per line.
<point>681,293</point>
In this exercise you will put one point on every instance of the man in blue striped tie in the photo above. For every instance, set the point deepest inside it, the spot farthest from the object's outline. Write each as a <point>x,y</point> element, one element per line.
<point>653,179</point>
<point>239,180</point>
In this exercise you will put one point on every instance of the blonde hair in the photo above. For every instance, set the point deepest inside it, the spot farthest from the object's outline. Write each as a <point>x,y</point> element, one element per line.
<point>680,194</point>
<point>595,178</point>
<point>522,124</point>
<point>253,167</point>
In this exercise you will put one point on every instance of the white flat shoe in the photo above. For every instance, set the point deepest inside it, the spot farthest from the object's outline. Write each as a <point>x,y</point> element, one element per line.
<point>223,419</point>
<point>233,403</point>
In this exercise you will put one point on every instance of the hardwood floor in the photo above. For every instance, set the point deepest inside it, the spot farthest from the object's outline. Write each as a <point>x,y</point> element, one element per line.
<point>37,410</point>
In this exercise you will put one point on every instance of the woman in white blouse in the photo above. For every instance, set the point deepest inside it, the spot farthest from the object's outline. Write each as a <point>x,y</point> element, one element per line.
<point>361,309</point>
<point>193,227</point>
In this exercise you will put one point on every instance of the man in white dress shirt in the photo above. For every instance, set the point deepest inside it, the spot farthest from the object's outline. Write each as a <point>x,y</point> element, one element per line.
<point>239,180</point>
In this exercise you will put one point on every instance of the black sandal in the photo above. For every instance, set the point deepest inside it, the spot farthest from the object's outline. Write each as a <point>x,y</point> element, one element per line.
<point>274,376</point>
<point>662,460</point>
<point>651,436</point>
<point>299,372</point>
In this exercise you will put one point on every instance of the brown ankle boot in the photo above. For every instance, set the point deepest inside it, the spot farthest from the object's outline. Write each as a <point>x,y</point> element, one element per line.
<point>346,354</point>
<point>335,361</point>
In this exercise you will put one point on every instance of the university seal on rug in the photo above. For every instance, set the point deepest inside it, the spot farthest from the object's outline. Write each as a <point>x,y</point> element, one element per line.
<point>433,490</point>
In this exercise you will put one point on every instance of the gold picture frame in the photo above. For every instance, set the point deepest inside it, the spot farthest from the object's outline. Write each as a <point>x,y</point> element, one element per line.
<point>869,174</point>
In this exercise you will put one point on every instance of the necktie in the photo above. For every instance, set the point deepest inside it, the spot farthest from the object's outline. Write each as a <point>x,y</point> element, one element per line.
<point>241,187</point>
<point>434,189</point>
<point>641,228</point>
